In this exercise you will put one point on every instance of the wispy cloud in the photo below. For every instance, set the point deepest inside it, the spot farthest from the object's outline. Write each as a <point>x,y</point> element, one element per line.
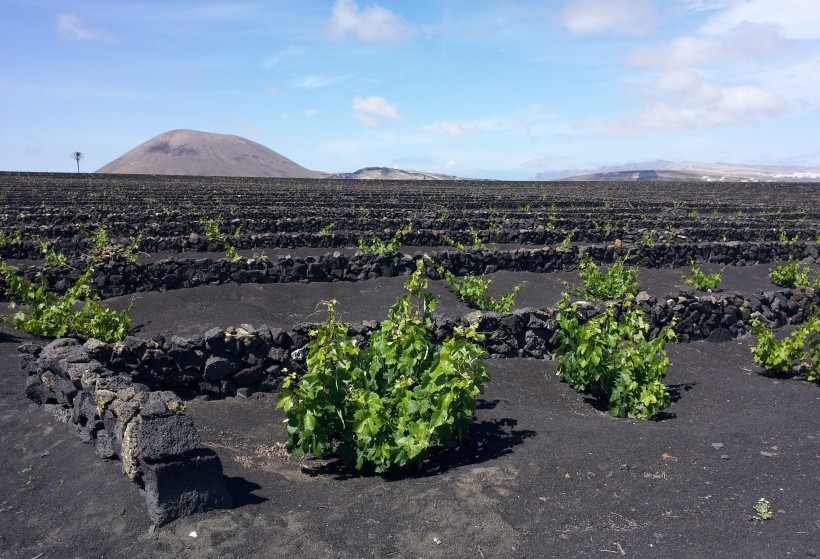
<point>271,89</point>
<point>315,82</point>
<point>689,100</point>
<point>372,24</point>
<point>798,19</point>
<point>368,109</point>
<point>310,113</point>
<point>746,42</point>
<point>532,122</point>
<point>283,56</point>
<point>620,17</point>
<point>70,27</point>
<point>456,130</point>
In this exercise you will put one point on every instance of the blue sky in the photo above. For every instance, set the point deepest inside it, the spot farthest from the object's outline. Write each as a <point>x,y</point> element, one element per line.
<point>477,88</point>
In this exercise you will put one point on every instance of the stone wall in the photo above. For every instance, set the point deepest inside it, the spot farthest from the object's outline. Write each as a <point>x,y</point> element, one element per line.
<point>119,277</point>
<point>145,428</point>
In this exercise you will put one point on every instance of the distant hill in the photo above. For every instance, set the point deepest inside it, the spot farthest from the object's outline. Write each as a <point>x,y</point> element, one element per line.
<point>189,152</point>
<point>687,171</point>
<point>386,173</point>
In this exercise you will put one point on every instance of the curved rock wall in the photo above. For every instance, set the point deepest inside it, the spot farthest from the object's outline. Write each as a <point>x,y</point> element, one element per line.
<point>119,277</point>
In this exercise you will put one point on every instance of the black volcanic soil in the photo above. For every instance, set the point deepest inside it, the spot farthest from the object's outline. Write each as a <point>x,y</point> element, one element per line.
<point>546,473</point>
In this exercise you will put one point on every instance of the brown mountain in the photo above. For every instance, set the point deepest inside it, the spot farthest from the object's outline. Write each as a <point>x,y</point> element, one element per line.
<point>189,152</point>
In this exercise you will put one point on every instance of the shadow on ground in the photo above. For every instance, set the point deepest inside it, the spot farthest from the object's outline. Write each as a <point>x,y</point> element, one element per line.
<point>488,440</point>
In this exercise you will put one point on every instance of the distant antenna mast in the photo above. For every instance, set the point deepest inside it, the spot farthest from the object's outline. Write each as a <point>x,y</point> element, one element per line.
<point>77,155</point>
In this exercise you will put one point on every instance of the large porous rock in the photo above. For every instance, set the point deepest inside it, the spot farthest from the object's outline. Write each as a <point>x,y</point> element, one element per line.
<point>191,484</point>
<point>219,367</point>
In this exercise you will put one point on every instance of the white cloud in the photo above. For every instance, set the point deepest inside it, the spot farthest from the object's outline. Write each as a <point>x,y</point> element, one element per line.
<point>798,19</point>
<point>454,129</point>
<point>621,17</point>
<point>70,27</point>
<point>688,100</point>
<point>368,109</point>
<point>746,42</point>
<point>798,82</point>
<point>284,55</point>
<point>271,89</point>
<point>372,24</point>
<point>314,82</point>
<point>310,113</point>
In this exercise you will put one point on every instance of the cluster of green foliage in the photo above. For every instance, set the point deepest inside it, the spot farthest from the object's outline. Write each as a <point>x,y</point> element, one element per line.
<point>472,290</point>
<point>784,238</point>
<point>45,313</point>
<point>131,250</point>
<point>52,256</point>
<point>14,238</point>
<point>568,239</point>
<point>552,219</point>
<point>477,242</point>
<point>702,281</point>
<point>102,246</point>
<point>452,242</point>
<point>377,246</point>
<point>763,511</point>
<point>786,356</point>
<point>791,274</point>
<point>213,227</point>
<point>388,404</point>
<point>610,356</point>
<point>327,229</point>
<point>213,231</point>
<point>618,282</point>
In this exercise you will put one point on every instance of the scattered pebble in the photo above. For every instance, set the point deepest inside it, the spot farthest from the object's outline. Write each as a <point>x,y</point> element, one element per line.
<point>717,446</point>
<point>193,534</point>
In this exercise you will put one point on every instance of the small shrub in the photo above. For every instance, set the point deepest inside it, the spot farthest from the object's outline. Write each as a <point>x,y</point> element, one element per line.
<point>784,238</point>
<point>47,314</point>
<point>52,256</point>
<point>230,248</point>
<point>452,242</point>
<point>212,227</point>
<point>377,246</point>
<point>99,240</point>
<point>388,404</point>
<point>785,357</point>
<point>324,231</point>
<point>617,282</point>
<point>472,290</point>
<point>763,510</point>
<point>477,242</point>
<point>131,251</point>
<point>611,357</point>
<point>702,281</point>
<point>568,239</point>
<point>552,219</point>
<point>792,275</point>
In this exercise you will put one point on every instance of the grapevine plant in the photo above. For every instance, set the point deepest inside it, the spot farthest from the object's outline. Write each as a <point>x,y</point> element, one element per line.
<point>617,282</point>
<point>786,356</point>
<point>47,314</point>
<point>385,405</point>
<point>377,246</point>
<point>791,274</point>
<point>701,280</point>
<point>472,290</point>
<point>611,357</point>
